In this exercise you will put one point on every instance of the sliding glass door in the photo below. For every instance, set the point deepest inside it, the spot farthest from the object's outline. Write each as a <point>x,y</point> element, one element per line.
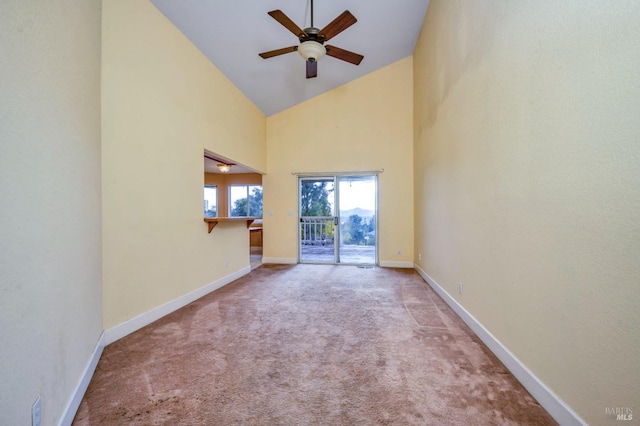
<point>317,220</point>
<point>337,219</point>
<point>357,218</point>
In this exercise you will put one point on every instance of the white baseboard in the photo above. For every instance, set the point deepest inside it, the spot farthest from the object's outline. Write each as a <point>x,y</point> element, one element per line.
<point>555,406</point>
<point>78,393</point>
<point>136,323</point>
<point>293,261</point>
<point>282,260</point>
<point>395,264</point>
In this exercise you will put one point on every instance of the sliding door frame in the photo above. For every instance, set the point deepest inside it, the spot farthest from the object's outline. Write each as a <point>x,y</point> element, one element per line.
<point>336,210</point>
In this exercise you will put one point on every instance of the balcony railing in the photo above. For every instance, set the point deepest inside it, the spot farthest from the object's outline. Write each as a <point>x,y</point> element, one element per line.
<point>317,230</point>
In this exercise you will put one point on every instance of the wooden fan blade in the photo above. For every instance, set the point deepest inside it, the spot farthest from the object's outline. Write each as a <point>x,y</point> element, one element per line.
<point>344,55</point>
<point>312,69</point>
<point>284,20</point>
<point>277,52</point>
<point>338,25</point>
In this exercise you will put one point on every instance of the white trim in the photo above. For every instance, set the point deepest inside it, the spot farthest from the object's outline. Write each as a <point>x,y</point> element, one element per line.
<point>78,393</point>
<point>395,264</point>
<point>119,331</point>
<point>328,174</point>
<point>282,260</point>
<point>551,402</point>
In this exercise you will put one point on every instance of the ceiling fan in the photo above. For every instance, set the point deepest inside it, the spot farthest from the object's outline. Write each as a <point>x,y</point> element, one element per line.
<point>312,40</point>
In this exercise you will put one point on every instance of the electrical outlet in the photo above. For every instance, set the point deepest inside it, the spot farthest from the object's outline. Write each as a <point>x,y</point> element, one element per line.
<point>36,413</point>
<point>226,264</point>
<point>460,287</point>
<point>399,252</point>
<point>419,256</point>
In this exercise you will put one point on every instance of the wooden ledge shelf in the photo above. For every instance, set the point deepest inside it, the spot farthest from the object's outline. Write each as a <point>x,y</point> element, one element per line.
<point>213,221</point>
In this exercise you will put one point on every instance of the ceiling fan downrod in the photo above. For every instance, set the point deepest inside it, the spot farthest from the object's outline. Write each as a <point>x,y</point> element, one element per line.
<point>312,13</point>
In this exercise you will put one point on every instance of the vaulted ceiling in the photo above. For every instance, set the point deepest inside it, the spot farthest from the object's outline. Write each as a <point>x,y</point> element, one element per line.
<point>232,33</point>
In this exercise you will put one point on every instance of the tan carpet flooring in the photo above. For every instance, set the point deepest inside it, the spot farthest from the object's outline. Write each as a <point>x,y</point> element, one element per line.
<point>308,345</point>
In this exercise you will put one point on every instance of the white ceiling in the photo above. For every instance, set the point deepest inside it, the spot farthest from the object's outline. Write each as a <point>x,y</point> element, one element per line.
<point>232,33</point>
<point>211,161</point>
<point>211,166</point>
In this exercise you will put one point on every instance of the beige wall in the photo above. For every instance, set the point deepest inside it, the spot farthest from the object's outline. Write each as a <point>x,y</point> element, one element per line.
<point>525,135</point>
<point>50,274</point>
<point>163,103</point>
<point>527,184</point>
<point>363,125</point>
<point>222,181</point>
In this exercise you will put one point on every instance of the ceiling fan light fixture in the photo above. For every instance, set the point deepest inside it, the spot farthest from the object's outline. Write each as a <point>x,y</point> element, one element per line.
<point>311,50</point>
<point>224,168</point>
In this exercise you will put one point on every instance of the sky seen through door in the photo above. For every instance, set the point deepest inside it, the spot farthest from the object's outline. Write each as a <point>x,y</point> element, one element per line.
<point>357,193</point>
